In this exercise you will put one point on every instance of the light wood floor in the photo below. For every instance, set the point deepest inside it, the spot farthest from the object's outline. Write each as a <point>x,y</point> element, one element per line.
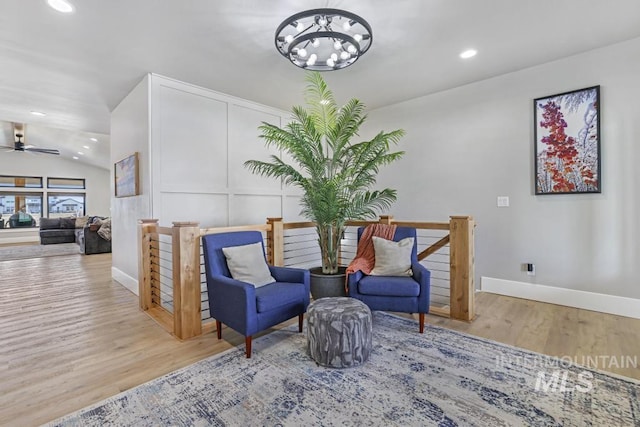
<point>70,336</point>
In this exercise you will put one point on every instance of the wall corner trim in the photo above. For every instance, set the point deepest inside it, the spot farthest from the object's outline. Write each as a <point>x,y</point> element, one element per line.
<point>612,304</point>
<point>124,279</point>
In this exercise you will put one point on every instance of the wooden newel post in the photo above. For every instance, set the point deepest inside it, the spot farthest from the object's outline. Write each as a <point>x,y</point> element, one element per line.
<point>187,321</point>
<point>386,219</point>
<point>275,242</point>
<point>147,229</point>
<point>461,256</point>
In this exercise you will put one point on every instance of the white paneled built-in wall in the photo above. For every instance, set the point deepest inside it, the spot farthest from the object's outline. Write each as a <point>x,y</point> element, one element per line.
<point>194,142</point>
<point>200,141</point>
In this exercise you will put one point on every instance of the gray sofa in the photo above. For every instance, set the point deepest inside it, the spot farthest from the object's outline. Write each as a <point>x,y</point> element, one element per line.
<point>91,242</point>
<point>57,230</point>
<point>89,237</point>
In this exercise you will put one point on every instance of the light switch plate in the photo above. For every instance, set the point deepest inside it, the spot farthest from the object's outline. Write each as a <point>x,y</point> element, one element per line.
<point>503,201</point>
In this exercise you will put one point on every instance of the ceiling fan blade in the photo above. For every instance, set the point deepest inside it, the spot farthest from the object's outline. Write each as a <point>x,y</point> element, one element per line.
<point>43,150</point>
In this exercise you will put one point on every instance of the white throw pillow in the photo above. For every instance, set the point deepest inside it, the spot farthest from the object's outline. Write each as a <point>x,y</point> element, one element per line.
<point>392,258</point>
<point>247,264</point>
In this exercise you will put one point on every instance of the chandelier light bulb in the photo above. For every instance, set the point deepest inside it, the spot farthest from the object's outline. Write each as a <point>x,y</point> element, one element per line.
<point>302,53</point>
<point>331,62</point>
<point>337,45</point>
<point>299,27</point>
<point>334,56</point>
<point>315,43</point>
<point>352,49</point>
<point>358,37</point>
<point>288,38</point>
<point>344,55</point>
<point>322,21</point>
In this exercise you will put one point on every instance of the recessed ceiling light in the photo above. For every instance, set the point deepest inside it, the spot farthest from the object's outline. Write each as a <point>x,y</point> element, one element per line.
<point>468,53</point>
<point>61,5</point>
<point>38,113</point>
<point>94,139</point>
<point>86,146</point>
<point>75,157</point>
<point>81,153</point>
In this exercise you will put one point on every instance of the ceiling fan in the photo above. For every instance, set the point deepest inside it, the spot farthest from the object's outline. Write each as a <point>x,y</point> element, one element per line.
<point>20,146</point>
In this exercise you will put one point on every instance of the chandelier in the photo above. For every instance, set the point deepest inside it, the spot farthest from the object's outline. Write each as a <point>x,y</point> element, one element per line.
<point>323,39</point>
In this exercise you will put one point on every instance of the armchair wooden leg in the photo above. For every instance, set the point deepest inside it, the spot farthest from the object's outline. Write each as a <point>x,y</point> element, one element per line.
<point>421,316</point>
<point>247,343</point>
<point>300,322</point>
<point>219,329</point>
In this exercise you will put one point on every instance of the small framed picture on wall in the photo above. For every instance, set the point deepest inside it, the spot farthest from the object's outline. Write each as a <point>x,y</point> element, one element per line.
<point>567,142</point>
<point>126,176</point>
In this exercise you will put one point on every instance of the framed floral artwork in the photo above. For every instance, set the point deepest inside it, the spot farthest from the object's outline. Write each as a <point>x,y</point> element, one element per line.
<point>567,142</point>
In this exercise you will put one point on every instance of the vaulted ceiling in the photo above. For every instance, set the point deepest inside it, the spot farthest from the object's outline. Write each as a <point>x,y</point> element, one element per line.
<point>77,67</point>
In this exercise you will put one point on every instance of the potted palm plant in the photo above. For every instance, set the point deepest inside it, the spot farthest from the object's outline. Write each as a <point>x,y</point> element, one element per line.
<point>334,173</point>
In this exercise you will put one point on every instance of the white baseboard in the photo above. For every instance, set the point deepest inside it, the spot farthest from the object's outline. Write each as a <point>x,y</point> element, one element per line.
<point>124,279</point>
<point>612,304</point>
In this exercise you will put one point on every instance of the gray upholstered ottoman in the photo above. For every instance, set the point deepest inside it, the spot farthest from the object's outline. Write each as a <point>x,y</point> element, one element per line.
<point>339,332</point>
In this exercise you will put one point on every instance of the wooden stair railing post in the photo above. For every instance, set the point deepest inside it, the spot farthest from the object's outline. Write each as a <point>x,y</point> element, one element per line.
<point>461,270</point>
<point>185,241</point>
<point>146,229</point>
<point>386,219</point>
<point>275,242</point>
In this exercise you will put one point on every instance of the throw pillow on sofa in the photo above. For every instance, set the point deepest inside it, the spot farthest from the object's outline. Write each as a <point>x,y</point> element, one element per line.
<point>68,223</point>
<point>81,221</point>
<point>105,229</point>
<point>49,223</point>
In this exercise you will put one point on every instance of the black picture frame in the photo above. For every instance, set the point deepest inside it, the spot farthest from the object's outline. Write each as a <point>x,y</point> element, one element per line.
<point>567,142</point>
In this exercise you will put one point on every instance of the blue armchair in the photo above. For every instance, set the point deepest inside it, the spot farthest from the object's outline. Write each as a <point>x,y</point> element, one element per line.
<point>407,294</point>
<point>242,306</point>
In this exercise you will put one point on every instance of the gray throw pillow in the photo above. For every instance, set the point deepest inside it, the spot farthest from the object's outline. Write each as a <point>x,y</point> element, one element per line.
<point>392,258</point>
<point>67,223</point>
<point>105,229</point>
<point>247,264</point>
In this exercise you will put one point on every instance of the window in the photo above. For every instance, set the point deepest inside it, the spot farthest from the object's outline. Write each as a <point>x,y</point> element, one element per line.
<point>10,181</point>
<point>66,183</point>
<point>20,210</point>
<point>65,205</point>
<point>22,207</point>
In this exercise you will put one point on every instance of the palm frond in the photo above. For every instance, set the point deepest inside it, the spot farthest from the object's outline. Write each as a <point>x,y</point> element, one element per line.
<point>319,156</point>
<point>322,104</point>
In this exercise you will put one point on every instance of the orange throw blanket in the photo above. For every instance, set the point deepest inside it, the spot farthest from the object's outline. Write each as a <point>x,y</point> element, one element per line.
<point>365,258</point>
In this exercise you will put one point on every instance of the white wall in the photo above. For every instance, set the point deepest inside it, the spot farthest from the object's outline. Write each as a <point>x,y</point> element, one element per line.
<point>468,145</point>
<point>130,133</point>
<point>96,181</point>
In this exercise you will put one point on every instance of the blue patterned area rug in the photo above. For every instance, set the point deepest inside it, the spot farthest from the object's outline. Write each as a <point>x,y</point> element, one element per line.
<point>440,378</point>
